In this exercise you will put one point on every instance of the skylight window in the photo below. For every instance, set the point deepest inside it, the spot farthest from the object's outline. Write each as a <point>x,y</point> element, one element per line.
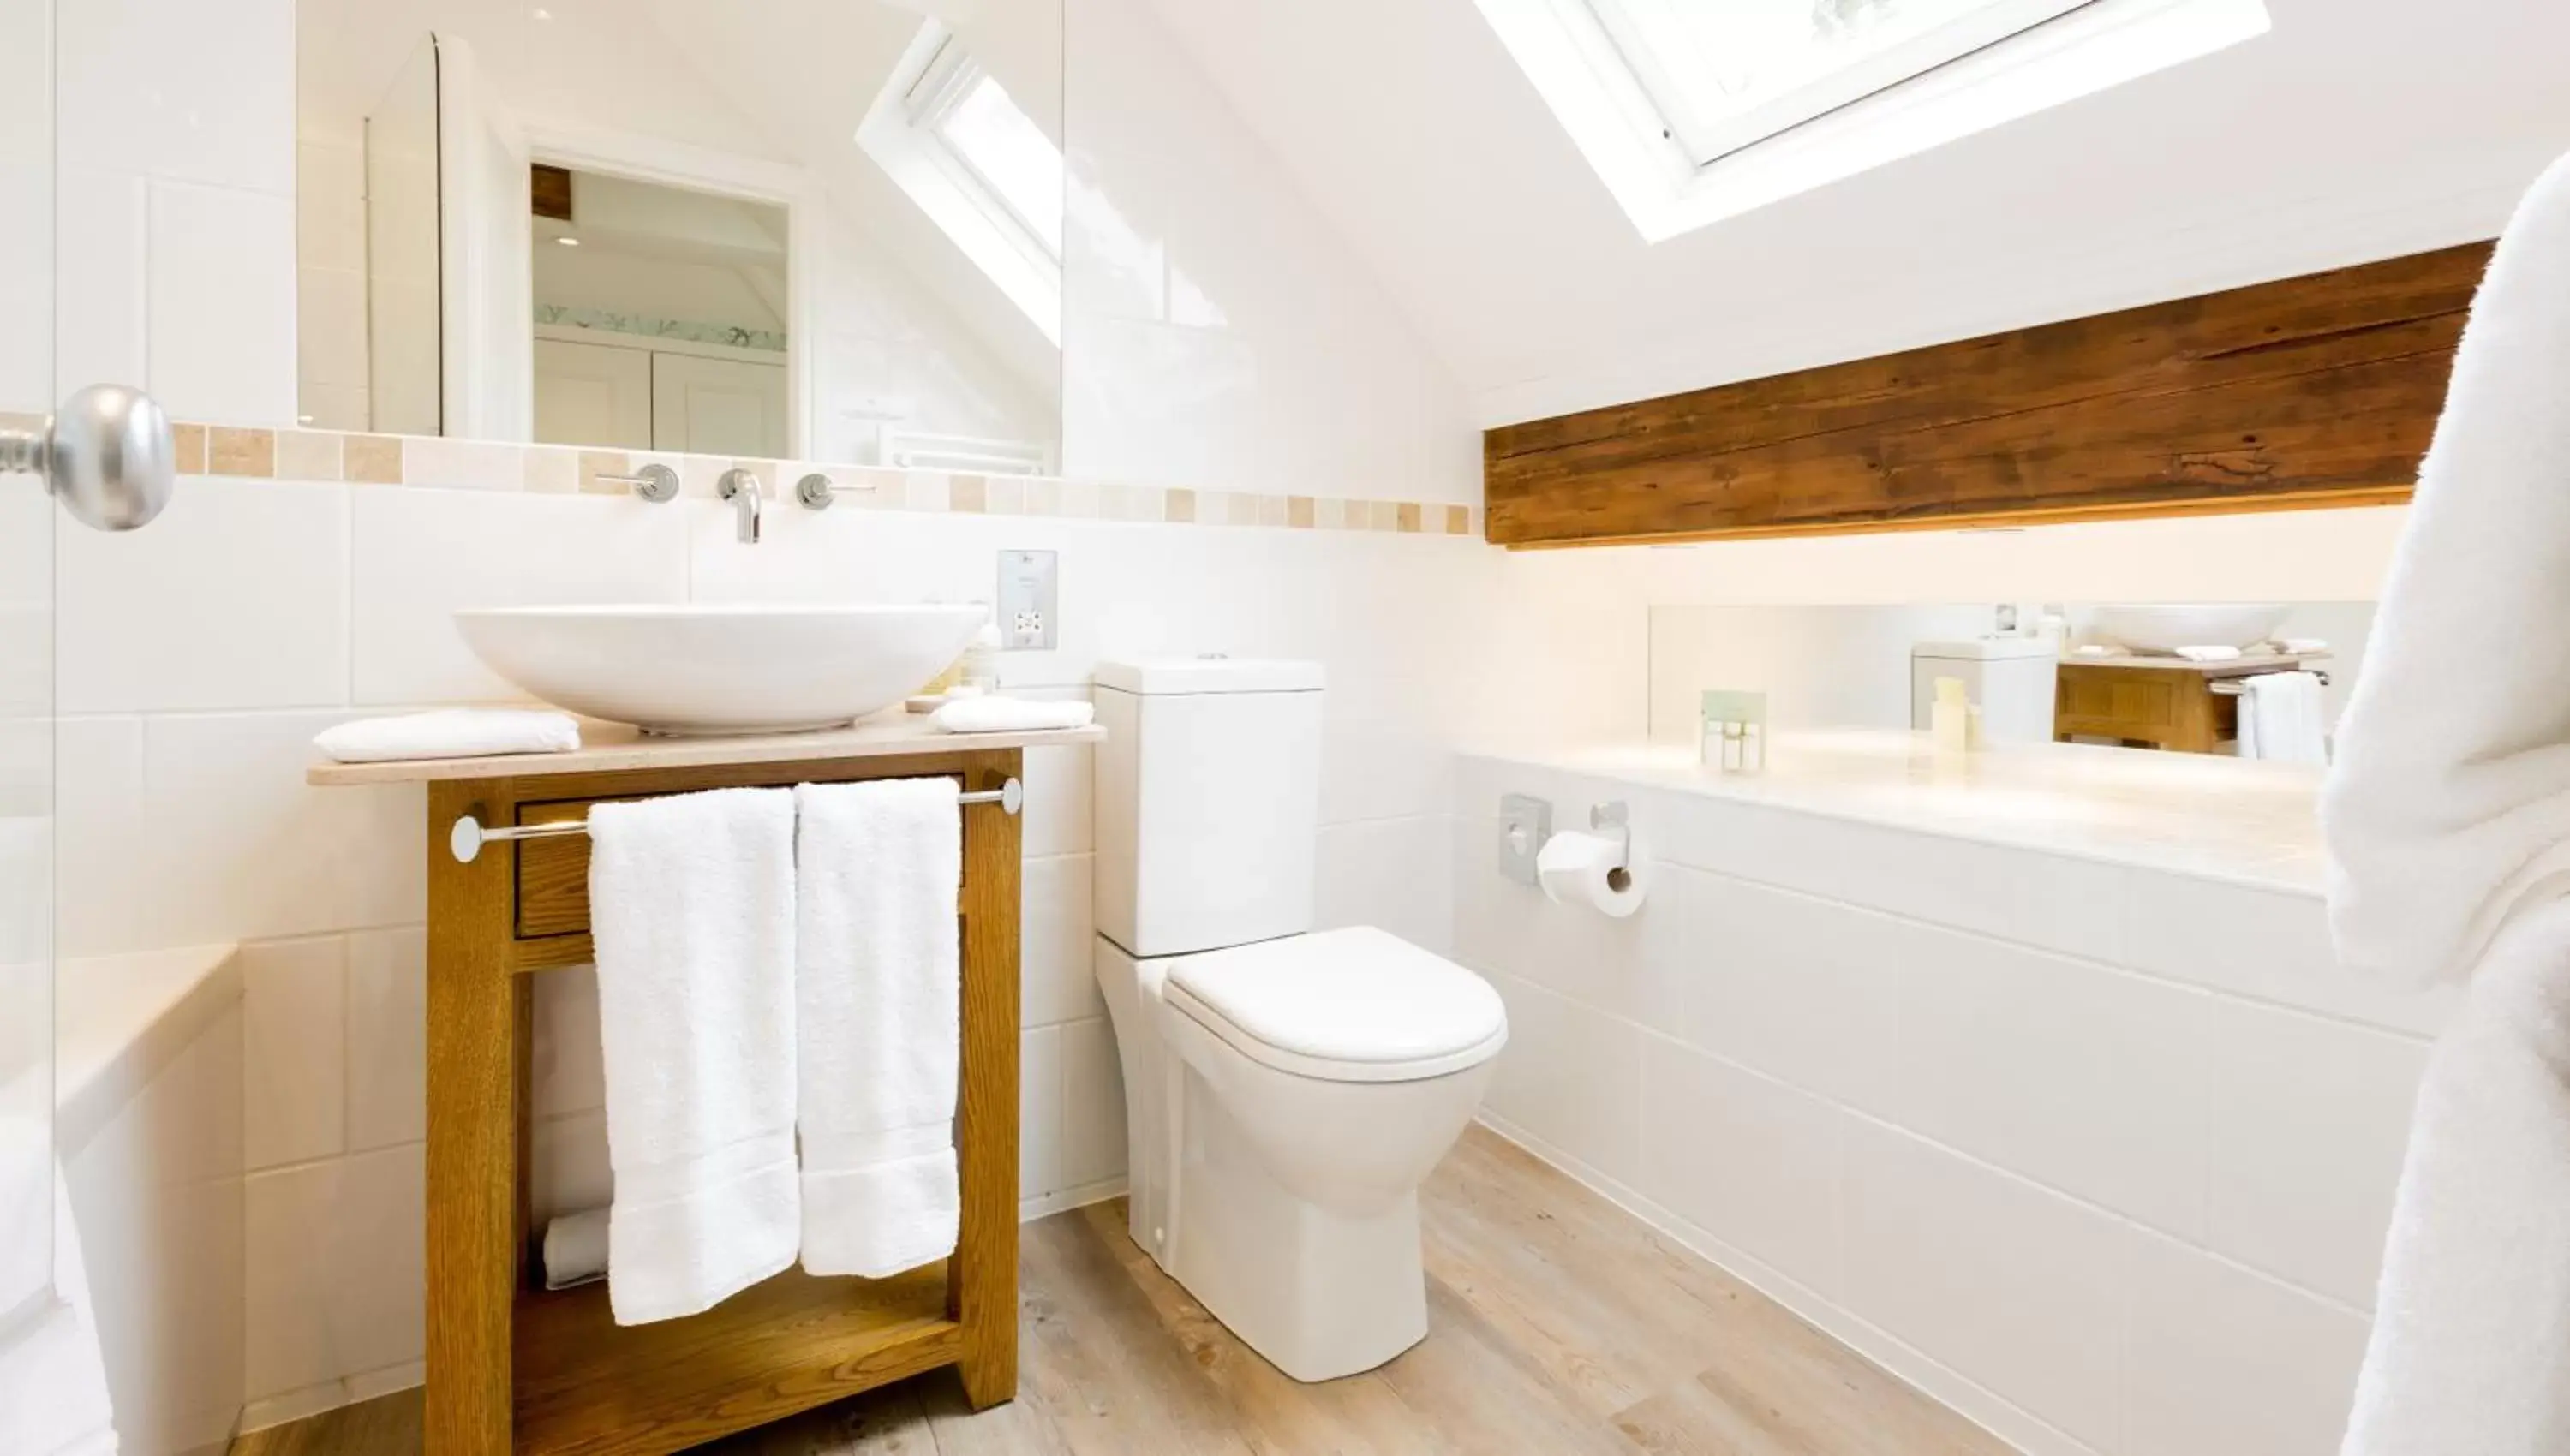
<point>952,138</point>
<point>989,136</point>
<point>1692,111</point>
<point>1727,75</point>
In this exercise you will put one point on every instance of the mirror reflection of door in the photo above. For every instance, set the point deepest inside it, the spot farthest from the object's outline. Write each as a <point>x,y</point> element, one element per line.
<point>661,317</point>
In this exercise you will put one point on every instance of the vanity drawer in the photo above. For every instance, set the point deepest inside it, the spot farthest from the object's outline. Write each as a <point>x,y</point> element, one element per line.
<point>553,873</point>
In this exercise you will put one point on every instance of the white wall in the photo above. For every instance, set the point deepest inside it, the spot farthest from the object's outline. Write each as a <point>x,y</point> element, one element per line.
<point>1215,327</point>
<point>485,276</point>
<point>2102,1156</point>
<point>2286,556</point>
<point>176,214</point>
<point>886,349</point>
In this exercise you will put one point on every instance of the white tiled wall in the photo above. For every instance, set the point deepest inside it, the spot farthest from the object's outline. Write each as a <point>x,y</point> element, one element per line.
<point>2101,1155</point>
<point>176,154</point>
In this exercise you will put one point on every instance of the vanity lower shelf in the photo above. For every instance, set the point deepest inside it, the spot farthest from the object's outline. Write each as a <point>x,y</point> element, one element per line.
<point>587,1386</point>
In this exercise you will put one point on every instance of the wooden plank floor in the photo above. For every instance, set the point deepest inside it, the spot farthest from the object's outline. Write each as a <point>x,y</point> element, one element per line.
<point>1558,1324</point>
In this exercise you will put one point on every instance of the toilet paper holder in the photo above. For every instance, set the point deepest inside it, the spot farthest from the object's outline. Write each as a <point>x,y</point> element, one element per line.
<point>1525,821</point>
<point>1611,820</point>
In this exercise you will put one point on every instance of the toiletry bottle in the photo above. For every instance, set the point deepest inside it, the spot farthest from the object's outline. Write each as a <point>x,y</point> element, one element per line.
<point>944,682</point>
<point>979,669</point>
<point>2053,626</point>
<point>1949,718</point>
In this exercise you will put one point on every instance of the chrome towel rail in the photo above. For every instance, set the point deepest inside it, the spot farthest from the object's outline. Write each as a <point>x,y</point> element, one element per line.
<point>2236,688</point>
<point>465,838</point>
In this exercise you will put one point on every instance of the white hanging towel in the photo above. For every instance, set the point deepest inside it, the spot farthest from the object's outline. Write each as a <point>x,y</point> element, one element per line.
<point>878,991</point>
<point>2448,819</point>
<point>692,903</point>
<point>2280,719</point>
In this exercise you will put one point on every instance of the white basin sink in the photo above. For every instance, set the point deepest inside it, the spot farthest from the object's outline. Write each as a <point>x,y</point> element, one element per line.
<point>2165,628</point>
<point>720,670</point>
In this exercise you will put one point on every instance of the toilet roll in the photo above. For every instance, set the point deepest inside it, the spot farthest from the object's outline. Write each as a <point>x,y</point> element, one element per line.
<point>576,1250</point>
<point>1583,870</point>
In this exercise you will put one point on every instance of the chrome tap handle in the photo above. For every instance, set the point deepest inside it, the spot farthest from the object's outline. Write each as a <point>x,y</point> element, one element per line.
<point>816,491</point>
<point>653,481</point>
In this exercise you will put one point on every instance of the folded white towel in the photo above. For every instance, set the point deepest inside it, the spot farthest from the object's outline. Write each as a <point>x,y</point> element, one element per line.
<point>2210,654</point>
<point>878,997</point>
<point>2448,819</point>
<point>53,1378</point>
<point>691,902</point>
<point>451,733</point>
<point>1010,715</point>
<point>576,1248</point>
<point>2304,646</point>
<point>2280,719</point>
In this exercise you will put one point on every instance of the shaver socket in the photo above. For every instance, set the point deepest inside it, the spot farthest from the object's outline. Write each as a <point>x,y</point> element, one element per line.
<point>1525,821</point>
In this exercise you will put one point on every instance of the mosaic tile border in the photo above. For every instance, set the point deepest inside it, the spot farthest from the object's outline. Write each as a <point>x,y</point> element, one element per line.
<point>257,453</point>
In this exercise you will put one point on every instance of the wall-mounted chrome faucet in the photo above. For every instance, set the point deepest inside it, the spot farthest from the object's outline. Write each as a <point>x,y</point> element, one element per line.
<point>748,502</point>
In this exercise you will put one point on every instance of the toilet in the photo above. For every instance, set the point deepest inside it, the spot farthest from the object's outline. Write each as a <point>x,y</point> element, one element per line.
<point>1286,1090</point>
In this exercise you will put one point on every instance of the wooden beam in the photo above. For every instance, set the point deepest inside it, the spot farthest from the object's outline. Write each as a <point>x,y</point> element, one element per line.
<point>2320,390</point>
<point>548,191</point>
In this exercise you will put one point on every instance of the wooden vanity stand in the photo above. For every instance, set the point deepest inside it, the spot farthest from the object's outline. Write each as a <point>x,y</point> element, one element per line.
<point>511,1368</point>
<point>2158,702</point>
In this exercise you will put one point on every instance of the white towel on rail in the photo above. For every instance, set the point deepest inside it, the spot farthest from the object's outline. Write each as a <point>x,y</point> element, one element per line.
<point>692,903</point>
<point>2280,718</point>
<point>878,991</point>
<point>2448,819</point>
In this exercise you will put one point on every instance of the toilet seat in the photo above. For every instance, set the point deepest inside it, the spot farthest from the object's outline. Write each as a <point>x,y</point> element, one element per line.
<point>1350,1005</point>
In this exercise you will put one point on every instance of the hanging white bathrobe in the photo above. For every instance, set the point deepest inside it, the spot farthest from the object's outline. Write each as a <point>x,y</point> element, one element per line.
<point>2448,819</point>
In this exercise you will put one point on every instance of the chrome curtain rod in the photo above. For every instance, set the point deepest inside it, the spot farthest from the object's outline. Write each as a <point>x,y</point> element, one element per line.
<point>466,840</point>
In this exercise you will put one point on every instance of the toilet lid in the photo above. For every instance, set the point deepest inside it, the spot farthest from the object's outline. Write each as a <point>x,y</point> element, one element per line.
<point>1355,1004</point>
